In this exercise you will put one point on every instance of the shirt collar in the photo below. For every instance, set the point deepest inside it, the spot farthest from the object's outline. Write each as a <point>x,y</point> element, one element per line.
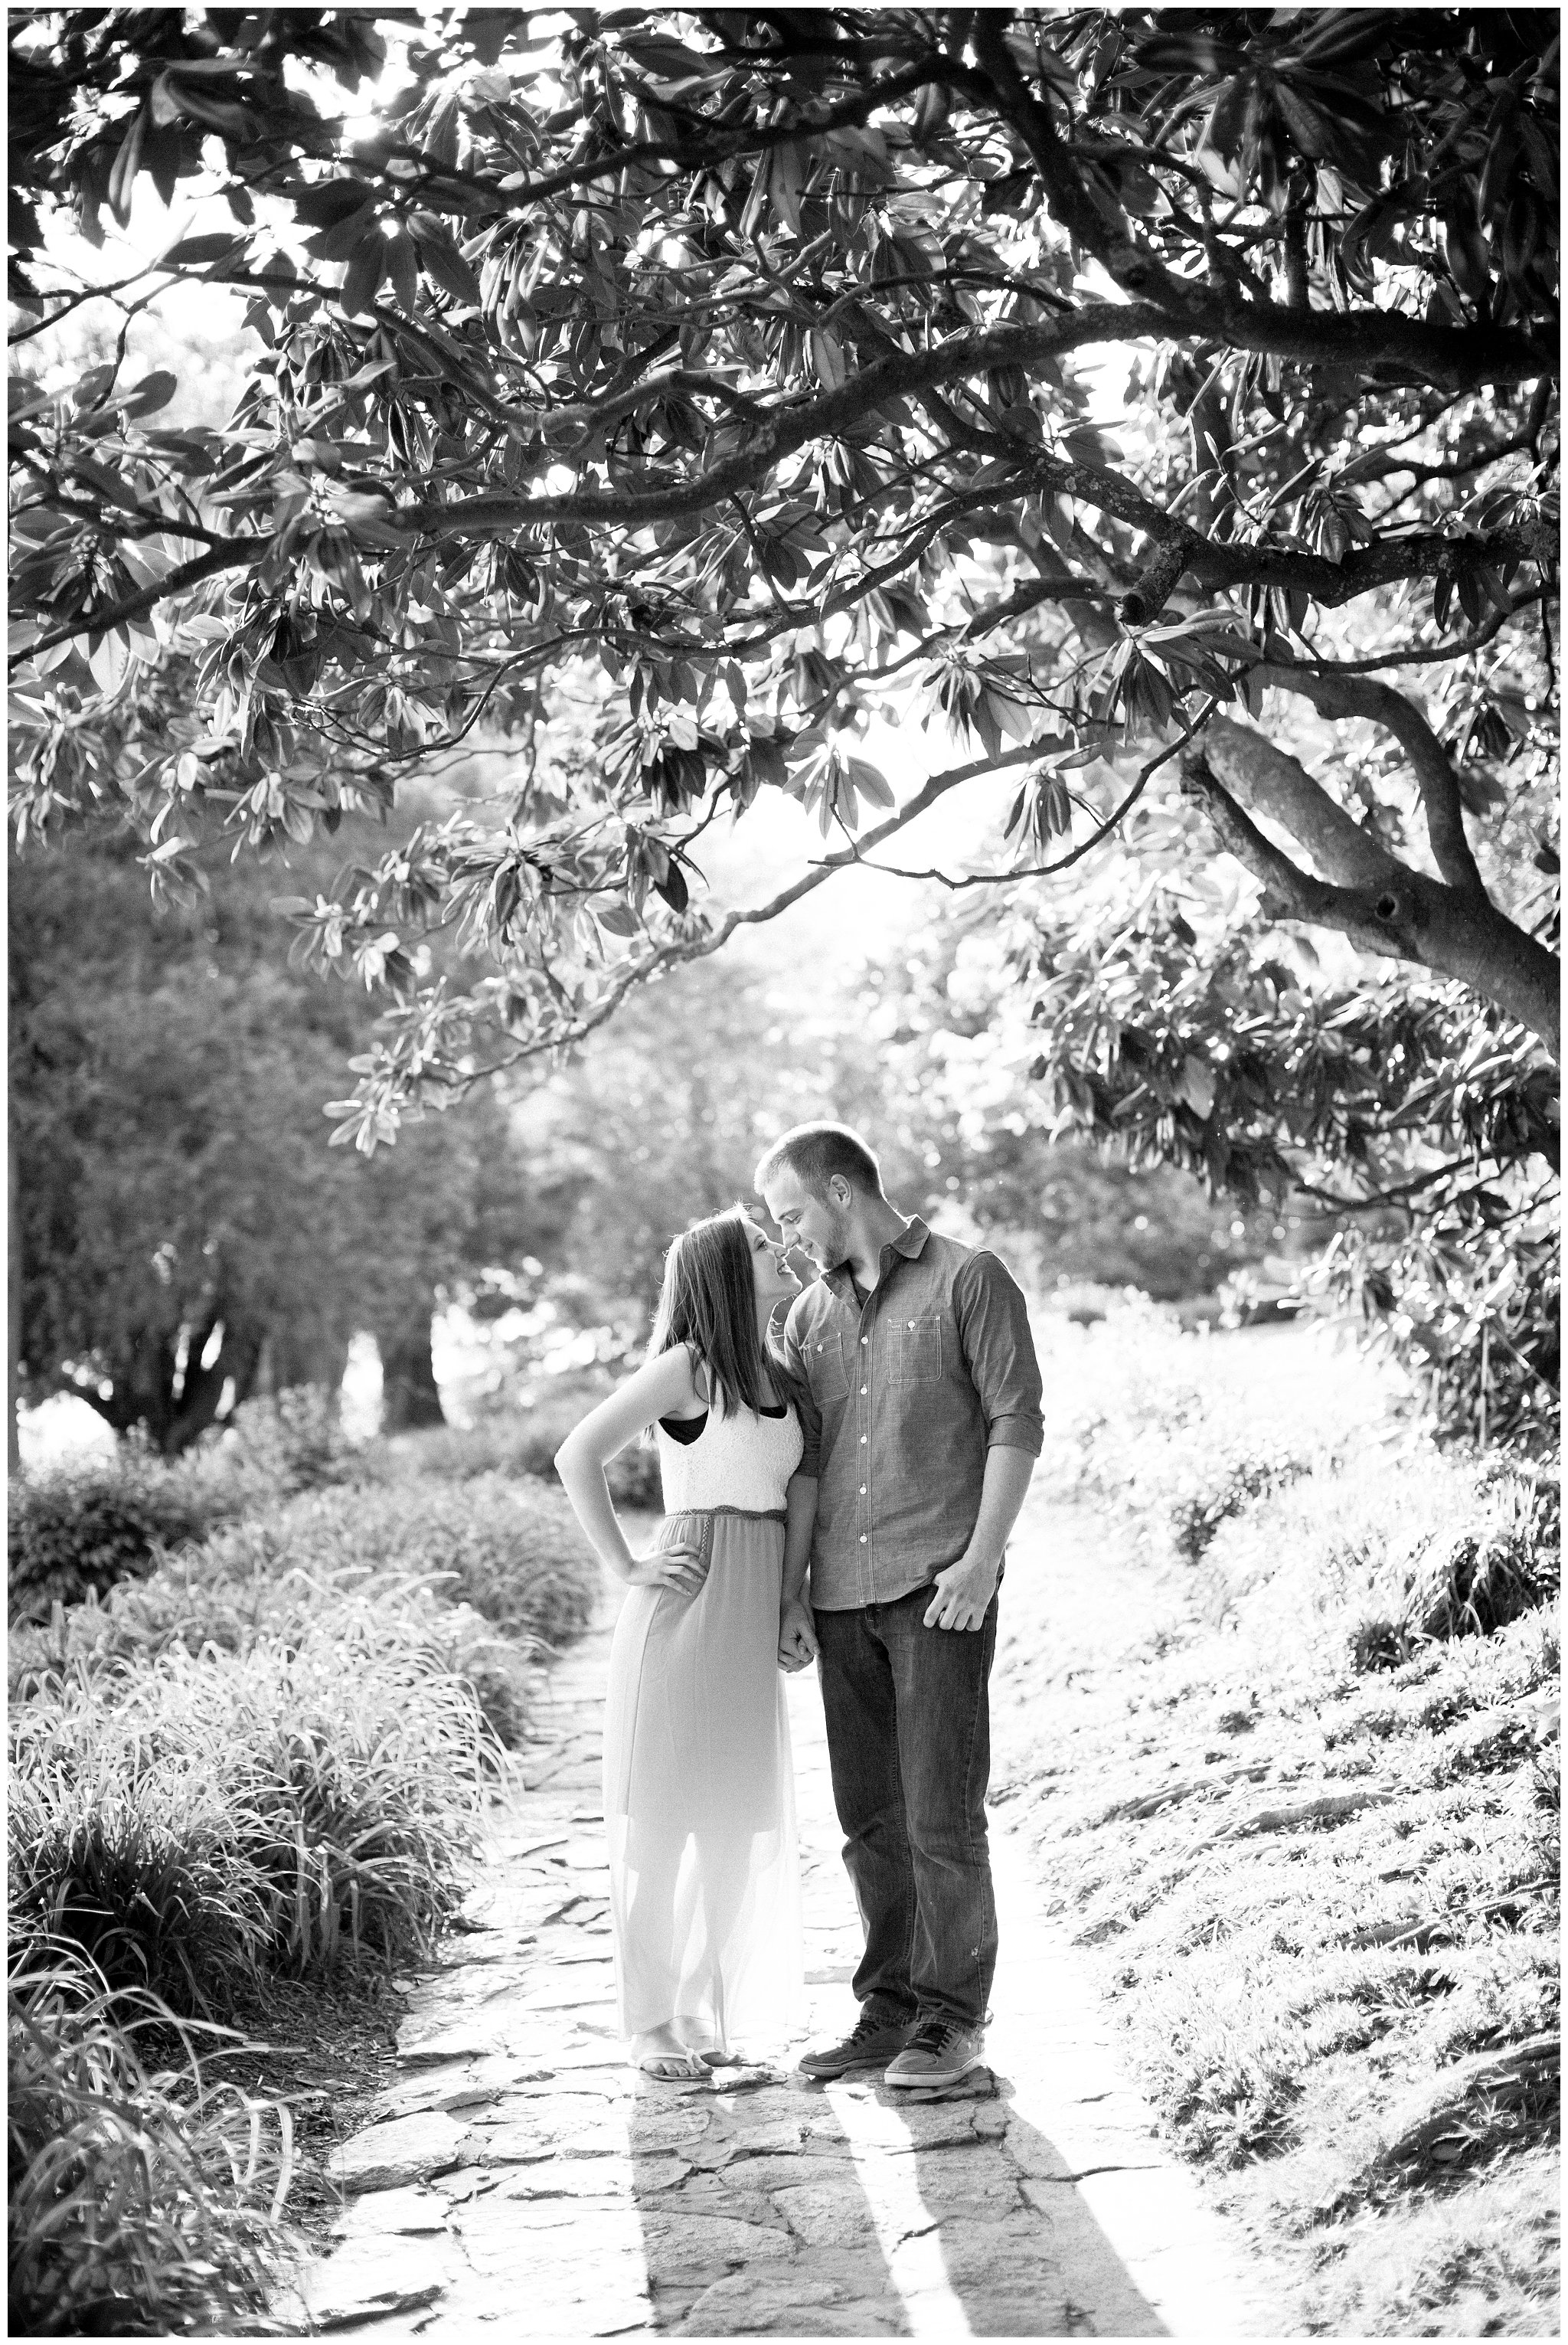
<point>909,1242</point>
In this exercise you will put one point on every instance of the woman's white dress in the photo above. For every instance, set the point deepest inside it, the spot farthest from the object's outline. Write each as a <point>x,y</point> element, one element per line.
<point>699,1795</point>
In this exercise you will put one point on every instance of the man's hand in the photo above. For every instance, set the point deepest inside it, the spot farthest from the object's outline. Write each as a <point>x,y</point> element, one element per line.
<point>962,1593</point>
<point>797,1637</point>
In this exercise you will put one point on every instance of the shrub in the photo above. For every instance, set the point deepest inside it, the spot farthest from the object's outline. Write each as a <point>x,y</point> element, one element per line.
<point>1393,1548</point>
<point>1227,1491</point>
<point>296,1436</point>
<point>142,2203</point>
<point>80,1528</point>
<point>1505,1562</point>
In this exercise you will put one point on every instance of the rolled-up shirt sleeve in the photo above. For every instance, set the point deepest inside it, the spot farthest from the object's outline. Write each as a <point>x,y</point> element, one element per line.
<point>999,1353</point>
<point>809,1413</point>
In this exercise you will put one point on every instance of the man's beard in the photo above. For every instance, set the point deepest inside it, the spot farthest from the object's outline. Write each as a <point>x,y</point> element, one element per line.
<point>835,1245</point>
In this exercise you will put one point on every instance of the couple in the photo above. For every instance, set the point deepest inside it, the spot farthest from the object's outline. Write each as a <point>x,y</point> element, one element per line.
<point>840,1490</point>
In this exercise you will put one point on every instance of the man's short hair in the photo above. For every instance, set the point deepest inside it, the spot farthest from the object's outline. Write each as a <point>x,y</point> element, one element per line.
<point>814,1153</point>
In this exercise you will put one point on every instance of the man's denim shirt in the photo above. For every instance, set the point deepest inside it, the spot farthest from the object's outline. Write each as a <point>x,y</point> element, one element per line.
<point>908,1392</point>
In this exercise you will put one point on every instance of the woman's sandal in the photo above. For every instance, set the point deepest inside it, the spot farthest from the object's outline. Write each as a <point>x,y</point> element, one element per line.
<point>674,2068</point>
<point>674,2065</point>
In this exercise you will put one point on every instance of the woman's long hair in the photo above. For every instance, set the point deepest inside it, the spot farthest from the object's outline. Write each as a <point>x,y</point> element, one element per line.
<point>709,1301</point>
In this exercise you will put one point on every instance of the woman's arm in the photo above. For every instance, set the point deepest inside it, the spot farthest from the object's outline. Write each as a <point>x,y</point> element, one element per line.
<point>797,1637</point>
<point>664,1387</point>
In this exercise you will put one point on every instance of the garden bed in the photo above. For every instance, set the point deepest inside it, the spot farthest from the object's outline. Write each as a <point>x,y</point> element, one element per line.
<point>249,1775</point>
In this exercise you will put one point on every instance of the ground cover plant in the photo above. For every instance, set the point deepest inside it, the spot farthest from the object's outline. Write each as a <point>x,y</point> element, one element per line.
<point>1302,1809</point>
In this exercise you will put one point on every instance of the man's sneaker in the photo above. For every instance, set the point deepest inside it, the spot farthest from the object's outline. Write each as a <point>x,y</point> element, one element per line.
<point>872,2044</point>
<point>938,2053</point>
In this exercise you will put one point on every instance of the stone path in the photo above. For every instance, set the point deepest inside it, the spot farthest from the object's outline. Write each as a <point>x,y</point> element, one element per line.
<point>519,2173</point>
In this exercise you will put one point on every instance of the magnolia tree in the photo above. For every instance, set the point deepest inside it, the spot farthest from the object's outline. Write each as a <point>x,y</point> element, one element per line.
<point>1161,402</point>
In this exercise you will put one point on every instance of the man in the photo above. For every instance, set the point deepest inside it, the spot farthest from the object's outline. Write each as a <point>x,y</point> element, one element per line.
<point>923,1431</point>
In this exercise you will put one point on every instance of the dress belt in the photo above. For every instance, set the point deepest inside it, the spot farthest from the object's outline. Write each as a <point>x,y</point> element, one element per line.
<point>747,1514</point>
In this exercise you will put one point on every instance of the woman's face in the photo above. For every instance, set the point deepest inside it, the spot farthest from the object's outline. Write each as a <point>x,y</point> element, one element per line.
<point>771,1277</point>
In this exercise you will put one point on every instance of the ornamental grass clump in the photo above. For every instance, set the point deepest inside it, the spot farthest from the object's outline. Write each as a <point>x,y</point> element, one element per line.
<point>143,2201</point>
<point>513,1551</point>
<point>133,1853</point>
<point>303,1803</point>
<point>241,1589</point>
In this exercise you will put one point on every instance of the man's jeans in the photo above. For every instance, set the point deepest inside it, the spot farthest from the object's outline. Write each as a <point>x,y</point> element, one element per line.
<point>909,1744</point>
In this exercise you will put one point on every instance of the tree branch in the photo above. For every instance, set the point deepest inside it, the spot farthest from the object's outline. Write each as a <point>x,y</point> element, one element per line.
<point>1405,917</point>
<point>1428,655</point>
<point>1085,846</point>
<point>1258,776</point>
<point>674,952</point>
<point>1459,358</point>
<point>228,556</point>
<point>1361,696</point>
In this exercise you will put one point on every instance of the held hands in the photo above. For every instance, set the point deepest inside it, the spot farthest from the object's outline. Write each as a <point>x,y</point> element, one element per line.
<point>962,1593</point>
<point>681,1568</point>
<point>797,1637</point>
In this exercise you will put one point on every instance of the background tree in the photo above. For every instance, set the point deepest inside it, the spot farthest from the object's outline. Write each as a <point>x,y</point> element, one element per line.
<point>185,1233</point>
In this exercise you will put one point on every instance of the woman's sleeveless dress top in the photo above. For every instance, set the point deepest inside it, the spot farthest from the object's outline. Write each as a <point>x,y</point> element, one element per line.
<point>740,1462</point>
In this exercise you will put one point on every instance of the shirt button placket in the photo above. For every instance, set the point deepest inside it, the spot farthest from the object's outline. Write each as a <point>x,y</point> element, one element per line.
<point>863,1507</point>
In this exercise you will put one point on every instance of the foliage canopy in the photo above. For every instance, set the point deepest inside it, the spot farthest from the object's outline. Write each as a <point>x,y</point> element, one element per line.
<point>749,360</point>
<point>655,396</point>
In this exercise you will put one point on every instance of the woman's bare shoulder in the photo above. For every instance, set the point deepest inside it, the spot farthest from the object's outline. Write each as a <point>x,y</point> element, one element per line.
<point>689,1382</point>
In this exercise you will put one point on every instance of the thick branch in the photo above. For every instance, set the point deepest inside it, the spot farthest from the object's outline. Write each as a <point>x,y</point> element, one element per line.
<point>1264,778</point>
<point>1407,917</point>
<point>1360,696</point>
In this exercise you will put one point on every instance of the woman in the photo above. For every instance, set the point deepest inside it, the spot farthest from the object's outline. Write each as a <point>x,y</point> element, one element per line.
<point>699,1806</point>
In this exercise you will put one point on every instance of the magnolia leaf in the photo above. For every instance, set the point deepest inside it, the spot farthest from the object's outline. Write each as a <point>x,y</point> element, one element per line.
<point>195,251</point>
<point>618,919</point>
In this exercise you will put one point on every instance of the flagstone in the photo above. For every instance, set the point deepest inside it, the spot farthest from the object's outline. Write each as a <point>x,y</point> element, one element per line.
<point>681,2241</point>
<point>406,2149</point>
<point>746,2304</point>
<point>408,2210</point>
<point>367,2279</point>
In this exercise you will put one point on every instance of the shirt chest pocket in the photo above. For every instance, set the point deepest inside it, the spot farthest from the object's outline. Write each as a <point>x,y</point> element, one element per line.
<point>825,1369</point>
<point>914,1351</point>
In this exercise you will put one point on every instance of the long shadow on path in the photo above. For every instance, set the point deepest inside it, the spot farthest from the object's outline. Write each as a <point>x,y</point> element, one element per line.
<point>772,2206</point>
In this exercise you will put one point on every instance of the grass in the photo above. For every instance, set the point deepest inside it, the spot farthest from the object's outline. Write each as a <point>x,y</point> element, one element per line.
<point>1298,1796</point>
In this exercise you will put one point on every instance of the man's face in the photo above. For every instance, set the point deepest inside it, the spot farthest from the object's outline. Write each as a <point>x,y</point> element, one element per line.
<point>819,1225</point>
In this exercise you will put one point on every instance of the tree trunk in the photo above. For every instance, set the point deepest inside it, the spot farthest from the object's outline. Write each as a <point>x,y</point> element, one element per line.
<point>409,1394</point>
<point>201,1394</point>
<point>287,1360</point>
